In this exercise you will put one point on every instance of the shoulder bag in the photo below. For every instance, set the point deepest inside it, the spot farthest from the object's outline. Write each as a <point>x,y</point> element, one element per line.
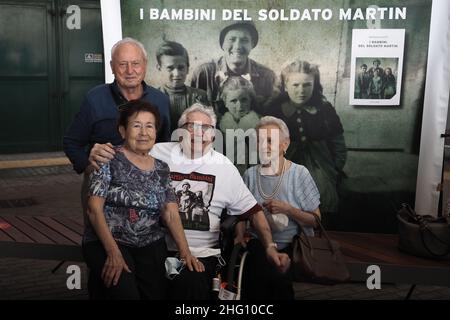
<point>318,259</point>
<point>423,235</point>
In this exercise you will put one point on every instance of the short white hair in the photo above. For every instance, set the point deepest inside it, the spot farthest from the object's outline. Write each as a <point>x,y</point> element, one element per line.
<point>128,40</point>
<point>268,120</point>
<point>198,107</point>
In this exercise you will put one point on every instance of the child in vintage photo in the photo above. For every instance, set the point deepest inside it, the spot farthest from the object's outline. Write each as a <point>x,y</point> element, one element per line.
<point>173,64</point>
<point>362,83</point>
<point>316,132</point>
<point>239,98</point>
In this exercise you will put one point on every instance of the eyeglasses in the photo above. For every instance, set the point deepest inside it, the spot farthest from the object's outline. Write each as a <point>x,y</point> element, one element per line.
<point>139,126</point>
<point>192,126</point>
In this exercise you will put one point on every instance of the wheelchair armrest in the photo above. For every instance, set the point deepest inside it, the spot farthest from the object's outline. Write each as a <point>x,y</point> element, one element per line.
<point>231,263</point>
<point>227,234</point>
<point>228,225</point>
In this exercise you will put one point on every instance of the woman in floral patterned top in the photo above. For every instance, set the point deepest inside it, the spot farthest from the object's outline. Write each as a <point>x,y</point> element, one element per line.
<point>130,199</point>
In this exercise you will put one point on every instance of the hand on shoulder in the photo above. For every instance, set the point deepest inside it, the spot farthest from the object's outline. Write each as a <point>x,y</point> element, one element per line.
<point>101,153</point>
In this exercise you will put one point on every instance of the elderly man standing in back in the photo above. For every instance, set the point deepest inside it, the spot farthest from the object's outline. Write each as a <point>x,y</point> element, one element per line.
<point>96,122</point>
<point>237,41</point>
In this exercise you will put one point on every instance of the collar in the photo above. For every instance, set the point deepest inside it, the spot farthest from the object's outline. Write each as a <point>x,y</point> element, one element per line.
<point>118,94</point>
<point>205,158</point>
<point>223,72</point>
<point>168,90</point>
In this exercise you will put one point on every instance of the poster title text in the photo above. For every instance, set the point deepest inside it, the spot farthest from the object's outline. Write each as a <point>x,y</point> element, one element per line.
<point>370,13</point>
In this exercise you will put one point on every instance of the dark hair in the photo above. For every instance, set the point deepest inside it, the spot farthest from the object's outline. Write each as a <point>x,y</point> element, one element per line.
<point>132,107</point>
<point>301,66</point>
<point>363,65</point>
<point>171,48</point>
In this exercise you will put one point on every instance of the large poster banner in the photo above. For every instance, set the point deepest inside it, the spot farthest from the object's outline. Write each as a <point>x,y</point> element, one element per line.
<point>354,114</point>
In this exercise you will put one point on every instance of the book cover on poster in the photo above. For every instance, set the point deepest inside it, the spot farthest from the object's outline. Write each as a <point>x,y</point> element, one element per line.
<point>376,66</point>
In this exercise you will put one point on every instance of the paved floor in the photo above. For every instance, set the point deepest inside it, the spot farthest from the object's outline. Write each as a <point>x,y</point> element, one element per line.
<point>55,191</point>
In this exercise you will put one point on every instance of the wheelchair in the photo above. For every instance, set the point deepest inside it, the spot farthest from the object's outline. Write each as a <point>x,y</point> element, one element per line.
<point>246,276</point>
<point>230,288</point>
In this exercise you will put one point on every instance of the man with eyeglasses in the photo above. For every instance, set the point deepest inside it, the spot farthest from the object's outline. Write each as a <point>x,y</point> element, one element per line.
<point>193,160</point>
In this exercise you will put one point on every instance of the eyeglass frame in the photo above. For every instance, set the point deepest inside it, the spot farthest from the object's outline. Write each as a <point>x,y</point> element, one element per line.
<point>191,126</point>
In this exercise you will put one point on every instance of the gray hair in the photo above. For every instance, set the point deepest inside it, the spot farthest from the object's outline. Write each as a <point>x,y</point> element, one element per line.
<point>267,120</point>
<point>197,107</point>
<point>129,40</point>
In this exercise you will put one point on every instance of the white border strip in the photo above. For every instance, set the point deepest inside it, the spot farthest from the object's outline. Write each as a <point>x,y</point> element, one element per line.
<point>435,110</point>
<point>112,31</point>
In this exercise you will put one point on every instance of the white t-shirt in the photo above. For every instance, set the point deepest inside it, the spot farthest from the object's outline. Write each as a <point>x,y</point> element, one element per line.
<point>204,187</point>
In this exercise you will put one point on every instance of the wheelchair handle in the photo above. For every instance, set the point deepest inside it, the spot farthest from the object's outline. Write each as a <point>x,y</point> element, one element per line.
<point>230,272</point>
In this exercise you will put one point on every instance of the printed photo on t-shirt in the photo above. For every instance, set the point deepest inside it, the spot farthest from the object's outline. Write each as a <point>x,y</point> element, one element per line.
<point>194,193</point>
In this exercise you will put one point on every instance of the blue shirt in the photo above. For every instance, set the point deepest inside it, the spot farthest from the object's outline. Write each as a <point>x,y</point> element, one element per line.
<point>96,122</point>
<point>297,188</point>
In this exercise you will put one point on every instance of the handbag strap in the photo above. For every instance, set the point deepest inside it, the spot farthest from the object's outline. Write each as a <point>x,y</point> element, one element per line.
<point>422,237</point>
<point>423,227</point>
<point>321,230</point>
<point>410,212</point>
<point>417,217</point>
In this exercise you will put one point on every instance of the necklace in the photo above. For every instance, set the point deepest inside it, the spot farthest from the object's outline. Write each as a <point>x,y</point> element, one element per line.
<point>277,186</point>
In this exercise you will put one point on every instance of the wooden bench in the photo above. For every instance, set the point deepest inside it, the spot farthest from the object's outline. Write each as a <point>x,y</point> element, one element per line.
<point>364,249</point>
<point>36,237</point>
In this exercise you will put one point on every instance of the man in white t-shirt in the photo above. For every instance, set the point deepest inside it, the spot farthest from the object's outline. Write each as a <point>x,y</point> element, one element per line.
<point>194,161</point>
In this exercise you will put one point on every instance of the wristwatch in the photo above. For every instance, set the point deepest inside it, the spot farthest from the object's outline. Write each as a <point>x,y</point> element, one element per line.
<point>272,244</point>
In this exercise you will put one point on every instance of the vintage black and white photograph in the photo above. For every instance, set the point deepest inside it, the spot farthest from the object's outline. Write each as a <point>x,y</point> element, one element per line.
<point>193,201</point>
<point>376,78</point>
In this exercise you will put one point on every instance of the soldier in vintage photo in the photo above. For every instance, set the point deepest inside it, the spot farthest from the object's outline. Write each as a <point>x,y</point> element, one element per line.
<point>186,199</point>
<point>237,41</point>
